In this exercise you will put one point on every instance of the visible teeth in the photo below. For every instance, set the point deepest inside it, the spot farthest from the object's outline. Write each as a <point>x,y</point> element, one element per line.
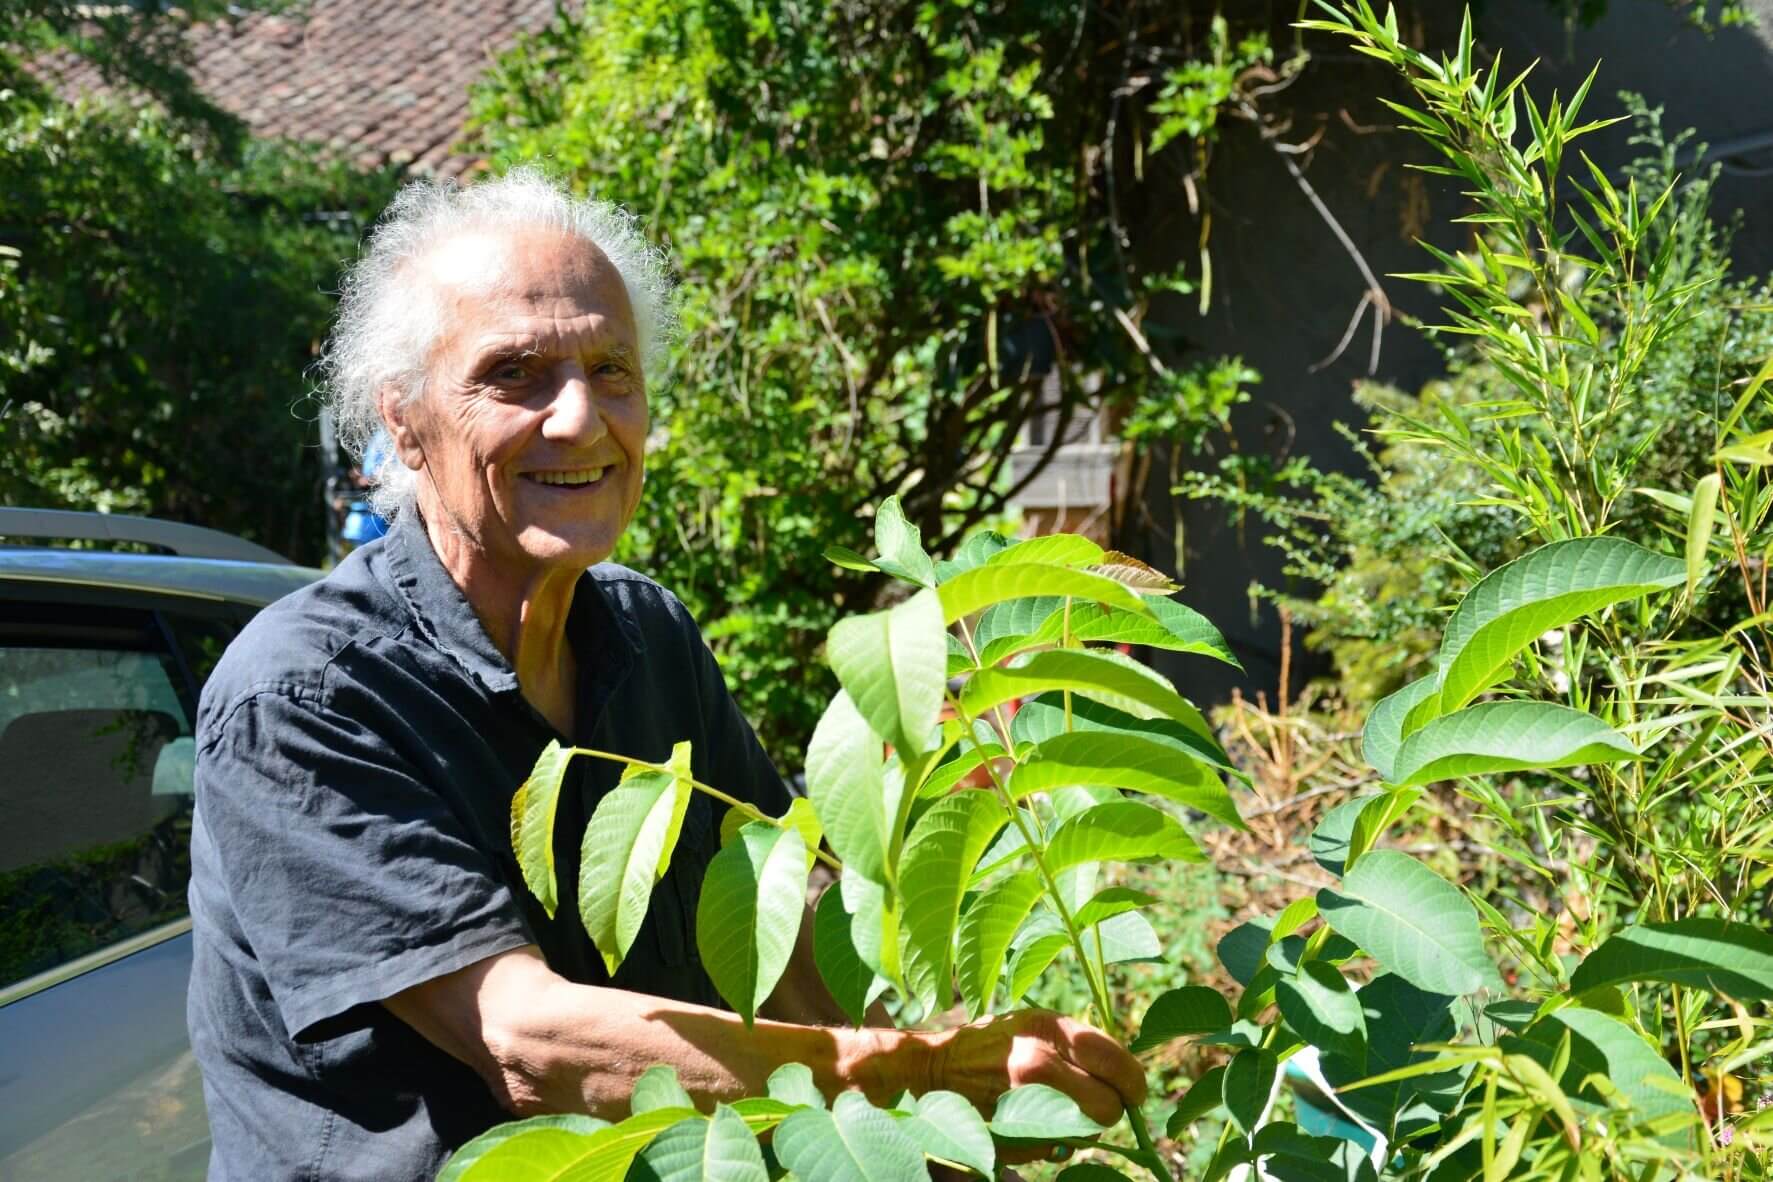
<point>579,476</point>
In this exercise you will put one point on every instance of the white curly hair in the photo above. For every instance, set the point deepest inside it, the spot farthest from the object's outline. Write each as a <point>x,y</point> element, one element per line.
<point>387,325</point>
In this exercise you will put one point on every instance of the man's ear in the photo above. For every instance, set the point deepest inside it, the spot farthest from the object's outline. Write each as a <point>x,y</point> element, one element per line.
<point>397,414</point>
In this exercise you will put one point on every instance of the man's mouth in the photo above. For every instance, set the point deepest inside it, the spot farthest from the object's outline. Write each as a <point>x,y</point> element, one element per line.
<point>568,477</point>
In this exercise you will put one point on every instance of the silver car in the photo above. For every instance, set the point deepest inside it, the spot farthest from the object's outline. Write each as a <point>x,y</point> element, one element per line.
<point>102,656</point>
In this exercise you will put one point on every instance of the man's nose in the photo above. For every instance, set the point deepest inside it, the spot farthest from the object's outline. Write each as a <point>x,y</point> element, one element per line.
<point>574,416</point>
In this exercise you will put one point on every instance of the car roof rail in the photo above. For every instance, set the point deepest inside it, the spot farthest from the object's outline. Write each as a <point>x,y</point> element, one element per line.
<point>186,541</point>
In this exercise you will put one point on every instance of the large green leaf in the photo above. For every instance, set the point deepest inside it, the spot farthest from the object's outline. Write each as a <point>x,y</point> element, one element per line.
<point>1517,603</point>
<point>1042,622</point>
<point>938,861</point>
<point>749,915</point>
<point>1009,846</point>
<point>561,1149</point>
<point>1005,628</point>
<point>1040,718</point>
<point>947,776</point>
<point>995,582</point>
<point>538,1150</point>
<point>946,1125</point>
<point>792,1084</point>
<point>1128,936</point>
<point>1090,1171</point>
<point>1412,921</point>
<point>1179,1013</point>
<point>626,848</point>
<point>1169,625</point>
<point>1384,731</point>
<point>1124,761</point>
<point>1121,831</point>
<point>719,1149</point>
<point>894,665</point>
<point>1242,948</point>
<point>1507,737</point>
<point>1397,1017</point>
<point>1109,678</point>
<point>1032,958</point>
<point>533,809</point>
<point>1249,1081</point>
<point>1735,959</point>
<point>1320,1007</point>
<point>1329,840</point>
<point>1204,1095</point>
<point>850,982</point>
<point>853,1142</point>
<point>1061,550</point>
<point>1036,1112</point>
<point>901,545</point>
<point>1109,902</point>
<point>658,1087</point>
<point>610,1152</point>
<point>977,548</point>
<point>1058,549</point>
<point>848,559</point>
<point>1289,1154</point>
<point>874,922</point>
<point>847,784</point>
<point>1601,1045</point>
<point>986,930</point>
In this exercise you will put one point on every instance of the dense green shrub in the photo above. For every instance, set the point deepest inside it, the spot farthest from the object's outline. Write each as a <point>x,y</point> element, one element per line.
<point>900,240</point>
<point>158,310</point>
<point>1372,559</point>
<point>164,282</point>
<point>1612,733</point>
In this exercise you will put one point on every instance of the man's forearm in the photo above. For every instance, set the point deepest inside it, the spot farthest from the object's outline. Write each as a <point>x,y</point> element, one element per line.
<point>545,1044</point>
<point>594,1042</point>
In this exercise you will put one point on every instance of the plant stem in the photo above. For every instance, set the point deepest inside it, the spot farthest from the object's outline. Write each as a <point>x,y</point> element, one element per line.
<point>1142,1135</point>
<point>1065,642</point>
<point>1098,984</point>
<point>749,810</point>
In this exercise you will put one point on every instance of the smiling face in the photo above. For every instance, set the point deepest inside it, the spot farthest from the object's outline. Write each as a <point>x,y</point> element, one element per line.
<point>529,436</point>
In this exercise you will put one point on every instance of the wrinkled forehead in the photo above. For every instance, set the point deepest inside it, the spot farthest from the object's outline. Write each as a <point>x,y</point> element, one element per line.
<point>488,279</point>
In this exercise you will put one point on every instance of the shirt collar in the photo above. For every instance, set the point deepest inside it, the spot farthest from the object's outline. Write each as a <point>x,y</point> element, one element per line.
<point>602,639</point>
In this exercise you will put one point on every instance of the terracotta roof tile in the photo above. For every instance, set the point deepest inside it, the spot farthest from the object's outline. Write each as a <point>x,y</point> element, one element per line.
<point>380,81</point>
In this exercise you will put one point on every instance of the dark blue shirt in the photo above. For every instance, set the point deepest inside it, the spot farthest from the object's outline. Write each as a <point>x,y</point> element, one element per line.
<point>358,747</point>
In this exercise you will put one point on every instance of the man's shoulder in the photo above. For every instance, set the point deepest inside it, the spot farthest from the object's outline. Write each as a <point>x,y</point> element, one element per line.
<point>289,646</point>
<point>642,601</point>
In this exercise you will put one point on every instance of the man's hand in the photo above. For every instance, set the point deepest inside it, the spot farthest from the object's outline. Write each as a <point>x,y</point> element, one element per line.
<point>545,1044</point>
<point>988,1058</point>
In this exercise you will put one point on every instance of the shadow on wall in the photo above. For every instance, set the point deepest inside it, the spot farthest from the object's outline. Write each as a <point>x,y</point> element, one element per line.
<point>1285,288</point>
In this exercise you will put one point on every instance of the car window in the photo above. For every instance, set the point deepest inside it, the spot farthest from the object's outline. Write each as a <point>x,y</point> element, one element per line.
<point>96,757</point>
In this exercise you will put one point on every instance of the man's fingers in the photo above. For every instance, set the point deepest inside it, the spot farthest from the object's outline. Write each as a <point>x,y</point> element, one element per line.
<point>1099,1102</point>
<point>1107,1060</point>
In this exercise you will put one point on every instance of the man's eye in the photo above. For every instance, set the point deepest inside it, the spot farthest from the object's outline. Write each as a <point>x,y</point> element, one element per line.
<point>508,371</point>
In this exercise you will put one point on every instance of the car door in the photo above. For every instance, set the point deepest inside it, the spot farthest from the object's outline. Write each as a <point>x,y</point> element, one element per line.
<point>97,700</point>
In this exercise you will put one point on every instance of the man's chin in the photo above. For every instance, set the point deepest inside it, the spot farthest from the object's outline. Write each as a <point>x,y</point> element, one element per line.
<point>572,550</point>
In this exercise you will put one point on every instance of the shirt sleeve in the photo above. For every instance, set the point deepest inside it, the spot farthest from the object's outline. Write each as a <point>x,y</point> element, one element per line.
<point>349,878</point>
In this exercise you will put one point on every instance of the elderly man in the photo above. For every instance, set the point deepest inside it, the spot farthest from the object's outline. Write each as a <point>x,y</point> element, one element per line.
<point>372,985</point>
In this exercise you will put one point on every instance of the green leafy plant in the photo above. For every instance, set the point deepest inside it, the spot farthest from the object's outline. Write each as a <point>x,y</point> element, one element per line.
<point>164,279</point>
<point>1428,1031</point>
<point>946,890</point>
<point>903,232</point>
<point>1646,669</point>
